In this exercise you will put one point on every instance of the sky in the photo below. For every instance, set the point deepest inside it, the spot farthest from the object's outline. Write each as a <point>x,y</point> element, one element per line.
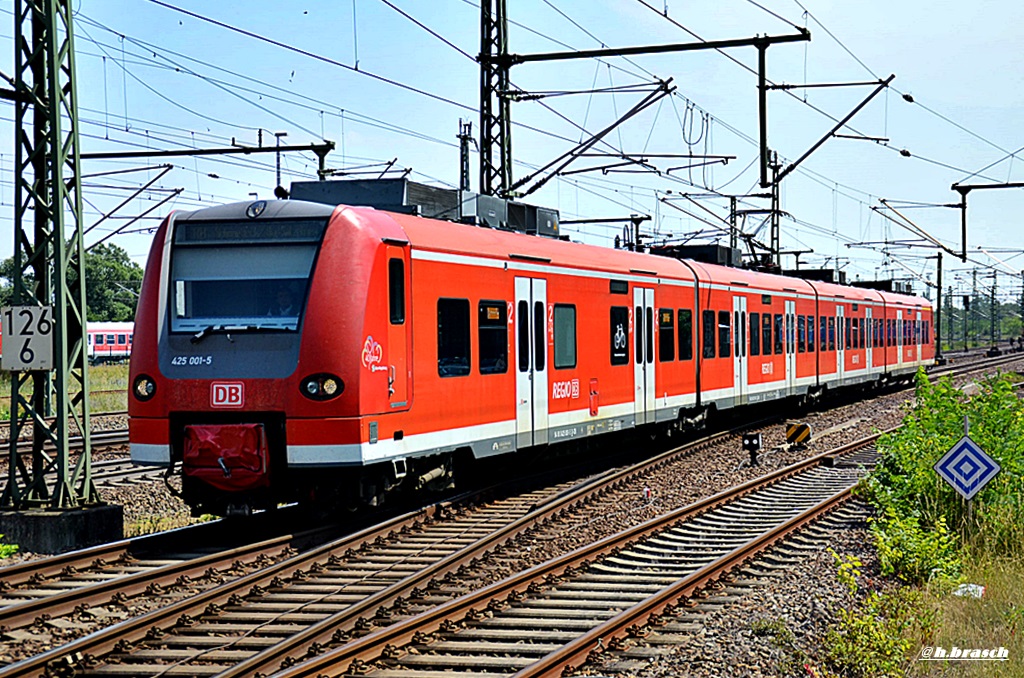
<point>391,79</point>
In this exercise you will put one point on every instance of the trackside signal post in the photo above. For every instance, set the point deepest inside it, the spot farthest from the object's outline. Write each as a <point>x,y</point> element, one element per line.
<point>49,502</point>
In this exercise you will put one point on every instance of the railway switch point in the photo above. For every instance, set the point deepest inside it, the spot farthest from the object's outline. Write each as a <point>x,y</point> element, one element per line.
<point>52,531</point>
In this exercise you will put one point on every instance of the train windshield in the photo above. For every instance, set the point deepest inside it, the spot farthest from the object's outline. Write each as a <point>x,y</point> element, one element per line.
<point>241,274</point>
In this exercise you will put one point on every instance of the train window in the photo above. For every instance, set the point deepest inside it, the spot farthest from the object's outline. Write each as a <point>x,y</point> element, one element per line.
<point>565,336</point>
<point>766,299</point>
<point>122,339</point>
<point>778,334</point>
<point>453,337</point>
<point>861,343</point>
<point>99,339</point>
<point>88,339</point>
<point>666,335</point>
<point>831,334</point>
<point>539,336</point>
<point>755,334</point>
<point>620,335</point>
<point>708,334</point>
<point>823,331</point>
<point>790,334</point>
<point>810,334</point>
<point>523,336</point>
<point>649,327</point>
<point>396,291</point>
<point>110,339</point>
<point>638,335</point>
<point>927,332</point>
<point>723,334</point>
<point>847,322</point>
<point>685,334</point>
<point>741,334</point>
<point>492,332</point>
<point>801,334</point>
<point>766,333</point>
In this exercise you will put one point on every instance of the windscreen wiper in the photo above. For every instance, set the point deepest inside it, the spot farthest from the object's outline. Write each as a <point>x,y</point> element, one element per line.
<point>205,332</point>
<point>240,329</point>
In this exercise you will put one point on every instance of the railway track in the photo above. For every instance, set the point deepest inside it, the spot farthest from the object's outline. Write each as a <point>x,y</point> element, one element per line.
<point>39,591</point>
<point>107,471</point>
<point>548,620</point>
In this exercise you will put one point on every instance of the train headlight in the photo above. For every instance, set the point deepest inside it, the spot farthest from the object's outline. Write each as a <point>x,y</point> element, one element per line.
<point>329,386</point>
<point>322,386</point>
<point>144,388</point>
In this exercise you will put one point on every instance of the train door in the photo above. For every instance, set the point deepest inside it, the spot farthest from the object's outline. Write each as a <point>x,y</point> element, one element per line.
<point>739,360</point>
<point>868,339</point>
<point>399,324</point>
<point>840,342</point>
<point>899,338</point>
<point>643,355</point>
<point>790,346</point>
<point>531,362</point>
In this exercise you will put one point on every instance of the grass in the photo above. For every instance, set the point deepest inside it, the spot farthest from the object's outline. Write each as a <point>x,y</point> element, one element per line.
<point>996,619</point>
<point>108,390</point>
<point>153,523</point>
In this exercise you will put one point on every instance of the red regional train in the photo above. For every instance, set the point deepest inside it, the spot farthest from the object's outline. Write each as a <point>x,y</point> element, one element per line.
<point>296,351</point>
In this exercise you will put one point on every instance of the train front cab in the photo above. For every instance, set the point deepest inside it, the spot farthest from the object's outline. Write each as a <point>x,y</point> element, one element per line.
<point>220,364</point>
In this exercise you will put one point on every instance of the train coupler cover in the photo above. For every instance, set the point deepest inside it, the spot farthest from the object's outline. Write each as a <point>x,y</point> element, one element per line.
<point>230,457</point>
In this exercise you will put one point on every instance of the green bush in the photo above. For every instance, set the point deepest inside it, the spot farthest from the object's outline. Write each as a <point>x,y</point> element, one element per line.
<point>7,550</point>
<point>914,554</point>
<point>876,638</point>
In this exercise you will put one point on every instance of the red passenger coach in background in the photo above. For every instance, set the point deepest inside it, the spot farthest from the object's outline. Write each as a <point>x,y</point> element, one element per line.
<point>309,351</point>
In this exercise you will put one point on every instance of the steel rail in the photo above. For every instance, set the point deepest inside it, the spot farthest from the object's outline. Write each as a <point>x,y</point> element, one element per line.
<point>118,589</point>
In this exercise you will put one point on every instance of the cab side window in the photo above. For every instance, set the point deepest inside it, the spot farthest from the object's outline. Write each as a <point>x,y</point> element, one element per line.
<point>396,291</point>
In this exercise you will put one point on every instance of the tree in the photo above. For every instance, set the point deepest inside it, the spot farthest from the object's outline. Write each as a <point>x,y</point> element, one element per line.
<point>112,284</point>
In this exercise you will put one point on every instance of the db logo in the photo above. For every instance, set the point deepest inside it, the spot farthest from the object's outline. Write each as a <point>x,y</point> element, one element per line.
<point>227,394</point>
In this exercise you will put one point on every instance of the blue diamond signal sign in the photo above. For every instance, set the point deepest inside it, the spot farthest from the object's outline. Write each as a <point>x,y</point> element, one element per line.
<point>967,468</point>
